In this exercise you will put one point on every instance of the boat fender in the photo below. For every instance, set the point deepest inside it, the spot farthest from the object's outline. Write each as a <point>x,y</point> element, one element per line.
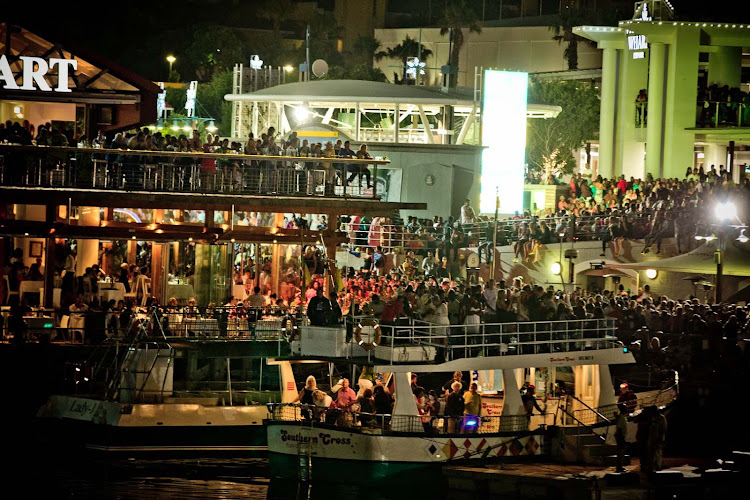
<point>368,346</point>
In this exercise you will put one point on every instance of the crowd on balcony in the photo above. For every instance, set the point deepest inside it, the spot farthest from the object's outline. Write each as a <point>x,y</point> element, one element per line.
<point>208,173</point>
<point>722,106</point>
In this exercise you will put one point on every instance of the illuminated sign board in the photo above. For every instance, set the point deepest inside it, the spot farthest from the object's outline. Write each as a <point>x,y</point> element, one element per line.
<point>34,70</point>
<point>504,137</point>
<point>637,42</point>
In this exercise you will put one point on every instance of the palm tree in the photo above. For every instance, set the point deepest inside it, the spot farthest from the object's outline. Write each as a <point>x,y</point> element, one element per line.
<point>277,11</point>
<point>406,49</point>
<point>457,16</point>
<point>564,22</point>
<point>369,48</point>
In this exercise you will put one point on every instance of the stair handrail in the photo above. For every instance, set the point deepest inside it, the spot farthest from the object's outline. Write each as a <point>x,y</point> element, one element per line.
<point>596,412</point>
<point>580,423</point>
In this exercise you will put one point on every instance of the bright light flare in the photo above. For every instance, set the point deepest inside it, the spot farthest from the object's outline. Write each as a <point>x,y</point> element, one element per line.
<point>726,211</point>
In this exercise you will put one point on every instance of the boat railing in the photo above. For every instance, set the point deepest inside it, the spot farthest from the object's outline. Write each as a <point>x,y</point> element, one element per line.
<point>451,342</point>
<point>409,424</point>
<point>589,416</point>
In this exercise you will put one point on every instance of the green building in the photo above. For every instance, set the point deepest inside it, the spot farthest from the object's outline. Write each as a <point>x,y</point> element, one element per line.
<point>677,122</point>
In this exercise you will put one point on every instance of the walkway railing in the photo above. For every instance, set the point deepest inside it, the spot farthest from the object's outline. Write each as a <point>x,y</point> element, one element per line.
<point>449,342</point>
<point>173,171</point>
<point>402,424</point>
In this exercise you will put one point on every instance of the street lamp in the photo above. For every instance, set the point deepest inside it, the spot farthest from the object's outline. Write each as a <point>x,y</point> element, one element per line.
<point>171,59</point>
<point>725,211</point>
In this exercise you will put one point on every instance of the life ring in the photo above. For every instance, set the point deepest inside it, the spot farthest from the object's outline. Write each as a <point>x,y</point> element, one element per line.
<point>289,324</point>
<point>368,346</point>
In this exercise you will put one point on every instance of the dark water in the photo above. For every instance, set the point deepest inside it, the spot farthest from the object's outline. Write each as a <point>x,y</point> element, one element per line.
<point>57,474</point>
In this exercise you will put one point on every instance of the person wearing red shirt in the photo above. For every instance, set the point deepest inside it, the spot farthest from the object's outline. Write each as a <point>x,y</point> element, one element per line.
<point>622,185</point>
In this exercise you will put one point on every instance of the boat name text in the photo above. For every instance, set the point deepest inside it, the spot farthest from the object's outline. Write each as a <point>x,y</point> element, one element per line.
<point>83,407</point>
<point>324,438</point>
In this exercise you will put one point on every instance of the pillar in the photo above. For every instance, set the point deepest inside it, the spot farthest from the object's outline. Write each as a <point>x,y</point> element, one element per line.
<point>657,53</point>
<point>682,93</point>
<point>630,139</point>
<point>606,389</point>
<point>607,113</point>
<point>512,404</point>
<point>88,250</point>
<point>158,283</point>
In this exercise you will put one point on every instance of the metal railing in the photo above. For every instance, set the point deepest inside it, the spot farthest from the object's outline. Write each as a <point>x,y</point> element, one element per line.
<point>170,171</point>
<point>450,342</point>
<point>709,114</point>
<point>402,424</point>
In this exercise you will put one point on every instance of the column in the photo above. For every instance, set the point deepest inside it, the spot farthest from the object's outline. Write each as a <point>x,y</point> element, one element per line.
<point>88,250</point>
<point>512,404</point>
<point>606,390</point>
<point>655,109</point>
<point>725,66</point>
<point>607,113</point>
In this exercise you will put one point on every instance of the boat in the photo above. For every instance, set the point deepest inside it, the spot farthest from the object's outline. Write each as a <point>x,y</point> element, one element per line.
<point>151,393</point>
<point>317,444</point>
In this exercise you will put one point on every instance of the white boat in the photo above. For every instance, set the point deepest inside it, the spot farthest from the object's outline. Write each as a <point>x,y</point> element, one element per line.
<point>152,394</point>
<point>501,356</point>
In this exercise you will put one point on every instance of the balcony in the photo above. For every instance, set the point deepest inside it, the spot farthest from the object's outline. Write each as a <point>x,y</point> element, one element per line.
<point>186,172</point>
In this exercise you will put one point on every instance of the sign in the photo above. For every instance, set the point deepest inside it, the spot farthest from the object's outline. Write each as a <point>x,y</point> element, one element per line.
<point>34,70</point>
<point>192,92</point>
<point>639,55</point>
<point>637,42</point>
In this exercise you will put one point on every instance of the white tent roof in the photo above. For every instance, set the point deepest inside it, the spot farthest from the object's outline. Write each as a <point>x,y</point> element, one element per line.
<point>701,261</point>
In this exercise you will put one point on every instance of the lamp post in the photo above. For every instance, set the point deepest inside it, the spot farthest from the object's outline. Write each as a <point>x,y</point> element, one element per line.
<point>170,59</point>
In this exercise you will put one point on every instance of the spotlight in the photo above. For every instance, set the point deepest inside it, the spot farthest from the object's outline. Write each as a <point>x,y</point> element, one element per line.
<point>556,268</point>
<point>651,273</point>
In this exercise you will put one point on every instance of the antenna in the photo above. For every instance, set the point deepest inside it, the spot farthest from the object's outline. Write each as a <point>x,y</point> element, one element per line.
<point>319,68</point>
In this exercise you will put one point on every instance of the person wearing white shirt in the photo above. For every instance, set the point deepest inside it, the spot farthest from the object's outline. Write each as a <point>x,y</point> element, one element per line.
<point>467,213</point>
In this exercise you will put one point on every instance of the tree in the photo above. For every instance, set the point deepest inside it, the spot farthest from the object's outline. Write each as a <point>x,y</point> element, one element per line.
<point>211,97</point>
<point>213,50</point>
<point>277,11</point>
<point>457,16</point>
<point>562,26</point>
<point>551,142</point>
<point>369,48</point>
<point>408,47</point>
<point>362,71</point>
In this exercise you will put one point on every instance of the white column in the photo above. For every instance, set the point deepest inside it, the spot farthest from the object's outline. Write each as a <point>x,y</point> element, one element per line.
<point>512,404</point>
<point>607,113</point>
<point>606,389</point>
<point>88,250</point>
<point>655,109</point>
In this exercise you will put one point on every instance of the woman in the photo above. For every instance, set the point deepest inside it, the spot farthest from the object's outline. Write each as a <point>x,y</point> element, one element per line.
<point>366,407</point>
<point>305,396</point>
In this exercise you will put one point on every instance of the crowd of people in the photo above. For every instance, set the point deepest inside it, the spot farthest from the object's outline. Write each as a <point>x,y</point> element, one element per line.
<point>207,173</point>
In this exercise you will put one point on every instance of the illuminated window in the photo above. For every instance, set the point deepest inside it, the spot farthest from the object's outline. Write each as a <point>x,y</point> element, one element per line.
<point>340,45</point>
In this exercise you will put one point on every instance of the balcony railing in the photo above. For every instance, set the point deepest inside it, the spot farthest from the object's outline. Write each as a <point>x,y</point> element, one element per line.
<point>171,171</point>
<point>709,114</point>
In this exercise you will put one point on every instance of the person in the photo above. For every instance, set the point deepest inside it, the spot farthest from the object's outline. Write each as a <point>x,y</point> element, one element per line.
<point>454,406</point>
<point>345,397</point>
<point>77,317</point>
<point>383,404</point>
<point>650,435</point>
<point>448,386</point>
<point>319,309</point>
<point>467,213</point>
<point>366,407</point>
<point>472,408</point>
<point>621,432</point>
<point>378,261</point>
<point>305,396</point>
<point>123,278</point>
<point>257,299</point>
<point>529,402</point>
<point>628,398</point>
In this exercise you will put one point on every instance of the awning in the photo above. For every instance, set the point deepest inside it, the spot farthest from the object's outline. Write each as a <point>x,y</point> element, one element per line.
<point>702,261</point>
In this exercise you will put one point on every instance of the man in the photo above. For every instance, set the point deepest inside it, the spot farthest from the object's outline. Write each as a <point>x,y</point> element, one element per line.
<point>345,397</point>
<point>621,432</point>
<point>467,213</point>
<point>627,397</point>
<point>428,264</point>
<point>346,152</point>
<point>378,261</point>
<point>375,307</point>
<point>454,407</point>
<point>529,402</point>
<point>448,386</point>
<point>256,299</point>
<point>319,309</point>
<point>472,408</point>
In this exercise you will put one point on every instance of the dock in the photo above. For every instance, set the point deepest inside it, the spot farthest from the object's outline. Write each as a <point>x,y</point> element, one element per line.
<point>681,478</point>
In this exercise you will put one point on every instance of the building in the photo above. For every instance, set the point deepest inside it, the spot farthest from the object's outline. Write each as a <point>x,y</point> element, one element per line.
<point>658,113</point>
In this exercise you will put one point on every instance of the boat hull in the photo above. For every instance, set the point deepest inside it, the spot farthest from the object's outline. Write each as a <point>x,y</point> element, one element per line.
<point>182,429</point>
<point>390,455</point>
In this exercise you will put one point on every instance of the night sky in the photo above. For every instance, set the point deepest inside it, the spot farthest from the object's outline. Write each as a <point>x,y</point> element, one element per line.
<point>139,35</point>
